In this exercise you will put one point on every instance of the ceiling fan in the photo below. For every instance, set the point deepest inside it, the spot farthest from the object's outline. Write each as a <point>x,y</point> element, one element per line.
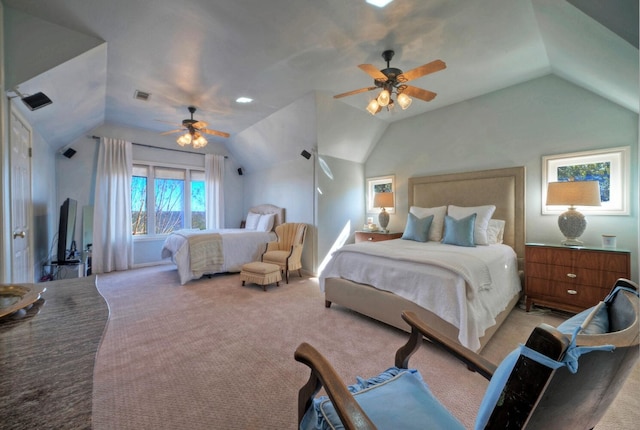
<point>393,80</point>
<point>193,130</point>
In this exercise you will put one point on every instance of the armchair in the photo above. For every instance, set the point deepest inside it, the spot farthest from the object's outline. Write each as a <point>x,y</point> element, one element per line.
<point>538,385</point>
<point>286,251</point>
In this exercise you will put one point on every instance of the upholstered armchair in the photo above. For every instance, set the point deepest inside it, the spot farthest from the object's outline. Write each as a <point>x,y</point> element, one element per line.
<point>286,252</point>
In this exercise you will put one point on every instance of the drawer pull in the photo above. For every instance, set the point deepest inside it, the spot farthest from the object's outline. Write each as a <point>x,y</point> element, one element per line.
<point>572,292</point>
<point>572,275</point>
<point>369,238</point>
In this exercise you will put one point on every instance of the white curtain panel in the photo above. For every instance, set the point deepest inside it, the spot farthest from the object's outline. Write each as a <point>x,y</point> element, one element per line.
<point>214,194</point>
<point>112,237</point>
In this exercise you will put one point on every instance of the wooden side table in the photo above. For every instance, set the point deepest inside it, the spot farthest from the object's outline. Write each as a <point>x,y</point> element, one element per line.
<point>375,236</point>
<point>571,278</point>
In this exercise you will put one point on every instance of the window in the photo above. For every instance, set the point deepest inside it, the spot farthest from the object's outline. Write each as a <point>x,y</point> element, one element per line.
<point>380,184</point>
<point>176,195</point>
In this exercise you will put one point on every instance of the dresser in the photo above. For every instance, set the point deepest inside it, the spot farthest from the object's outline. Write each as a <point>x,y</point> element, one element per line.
<point>375,236</point>
<point>571,278</point>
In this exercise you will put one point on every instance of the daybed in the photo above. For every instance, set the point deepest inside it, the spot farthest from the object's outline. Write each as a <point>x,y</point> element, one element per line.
<point>465,305</point>
<point>204,252</point>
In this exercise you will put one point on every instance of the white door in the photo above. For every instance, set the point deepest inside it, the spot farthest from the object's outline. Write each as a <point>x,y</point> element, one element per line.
<point>20,161</point>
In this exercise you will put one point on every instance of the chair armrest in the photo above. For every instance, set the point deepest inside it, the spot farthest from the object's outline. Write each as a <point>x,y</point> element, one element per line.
<point>473,360</point>
<point>324,375</point>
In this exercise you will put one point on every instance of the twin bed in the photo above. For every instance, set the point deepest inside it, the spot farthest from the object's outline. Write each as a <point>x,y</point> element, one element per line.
<point>205,252</point>
<point>466,292</point>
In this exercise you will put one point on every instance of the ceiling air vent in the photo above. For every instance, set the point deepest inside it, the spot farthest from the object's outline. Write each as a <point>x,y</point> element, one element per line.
<point>141,95</point>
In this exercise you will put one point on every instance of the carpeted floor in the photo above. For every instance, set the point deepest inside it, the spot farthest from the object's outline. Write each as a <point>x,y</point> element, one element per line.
<point>215,355</point>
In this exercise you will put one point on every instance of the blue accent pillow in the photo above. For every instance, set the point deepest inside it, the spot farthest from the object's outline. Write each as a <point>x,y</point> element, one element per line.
<point>598,325</point>
<point>459,231</point>
<point>417,228</point>
<point>395,399</point>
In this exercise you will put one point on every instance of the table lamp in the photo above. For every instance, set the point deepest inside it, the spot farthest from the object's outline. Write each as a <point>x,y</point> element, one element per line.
<point>573,193</point>
<point>383,200</point>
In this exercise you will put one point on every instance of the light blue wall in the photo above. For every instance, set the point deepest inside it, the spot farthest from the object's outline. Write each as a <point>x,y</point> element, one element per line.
<point>515,126</point>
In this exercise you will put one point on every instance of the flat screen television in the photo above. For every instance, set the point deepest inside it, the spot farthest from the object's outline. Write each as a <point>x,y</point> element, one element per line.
<point>66,230</point>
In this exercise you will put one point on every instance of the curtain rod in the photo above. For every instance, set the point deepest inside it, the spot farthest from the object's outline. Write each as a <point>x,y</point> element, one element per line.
<point>158,147</point>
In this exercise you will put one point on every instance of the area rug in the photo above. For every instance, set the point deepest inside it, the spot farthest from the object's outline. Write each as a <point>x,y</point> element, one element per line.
<point>213,354</point>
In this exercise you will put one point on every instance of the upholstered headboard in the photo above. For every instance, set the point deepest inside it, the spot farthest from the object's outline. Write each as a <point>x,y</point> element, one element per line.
<point>503,188</point>
<point>270,209</point>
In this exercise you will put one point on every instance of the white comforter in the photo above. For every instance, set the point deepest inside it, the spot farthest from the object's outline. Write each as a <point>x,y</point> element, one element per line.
<point>467,287</point>
<point>239,246</point>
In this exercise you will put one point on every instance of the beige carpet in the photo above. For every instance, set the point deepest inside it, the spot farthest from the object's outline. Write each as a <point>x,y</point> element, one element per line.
<point>215,355</point>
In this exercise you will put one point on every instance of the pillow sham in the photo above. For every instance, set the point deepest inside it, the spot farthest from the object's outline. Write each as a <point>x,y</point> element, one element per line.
<point>483,215</point>
<point>437,225</point>
<point>252,221</point>
<point>266,222</point>
<point>417,228</point>
<point>459,231</point>
<point>495,231</point>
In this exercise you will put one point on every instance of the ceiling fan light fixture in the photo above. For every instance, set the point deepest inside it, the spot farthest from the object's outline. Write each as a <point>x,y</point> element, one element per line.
<point>404,101</point>
<point>373,107</point>
<point>199,141</point>
<point>383,98</point>
<point>185,139</point>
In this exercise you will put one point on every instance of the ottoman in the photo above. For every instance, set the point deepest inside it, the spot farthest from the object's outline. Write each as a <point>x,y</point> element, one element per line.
<point>261,273</point>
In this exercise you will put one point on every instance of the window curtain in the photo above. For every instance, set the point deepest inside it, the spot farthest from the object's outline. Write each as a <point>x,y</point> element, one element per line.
<point>214,194</point>
<point>112,238</point>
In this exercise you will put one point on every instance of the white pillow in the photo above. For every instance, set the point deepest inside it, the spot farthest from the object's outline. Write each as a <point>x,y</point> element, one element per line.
<point>495,231</point>
<point>483,215</point>
<point>266,222</point>
<point>252,221</point>
<point>437,225</point>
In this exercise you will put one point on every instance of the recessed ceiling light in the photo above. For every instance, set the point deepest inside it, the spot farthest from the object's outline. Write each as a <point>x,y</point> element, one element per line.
<point>244,100</point>
<point>379,3</point>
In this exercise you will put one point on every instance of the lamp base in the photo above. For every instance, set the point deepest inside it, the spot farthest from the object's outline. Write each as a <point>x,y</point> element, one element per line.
<point>572,224</point>
<point>383,220</point>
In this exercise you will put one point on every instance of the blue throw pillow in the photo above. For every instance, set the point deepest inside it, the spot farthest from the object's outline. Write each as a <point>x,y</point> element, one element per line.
<point>417,228</point>
<point>459,231</point>
<point>598,325</point>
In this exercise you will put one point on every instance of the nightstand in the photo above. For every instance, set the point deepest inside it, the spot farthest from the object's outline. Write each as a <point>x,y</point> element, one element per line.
<point>375,236</point>
<point>571,278</point>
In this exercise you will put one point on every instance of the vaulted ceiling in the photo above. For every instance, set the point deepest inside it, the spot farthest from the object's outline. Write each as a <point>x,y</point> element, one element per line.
<point>90,56</point>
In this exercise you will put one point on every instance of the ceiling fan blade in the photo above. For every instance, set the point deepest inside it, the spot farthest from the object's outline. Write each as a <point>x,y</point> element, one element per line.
<point>373,71</point>
<point>172,131</point>
<point>200,124</point>
<point>350,93</point>
<point>425,69</point>
<point>419,93</point>
<point>214,132</point>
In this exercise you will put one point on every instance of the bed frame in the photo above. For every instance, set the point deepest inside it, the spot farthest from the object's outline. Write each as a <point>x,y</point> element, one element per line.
<point>504,188</point>
<point>270,209</point>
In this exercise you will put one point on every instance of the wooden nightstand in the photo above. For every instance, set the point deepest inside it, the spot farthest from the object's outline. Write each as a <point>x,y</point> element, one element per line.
<point>375,236</point>
<point>571,278</point>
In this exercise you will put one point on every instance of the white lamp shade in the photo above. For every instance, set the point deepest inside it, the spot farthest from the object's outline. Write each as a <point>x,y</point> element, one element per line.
<point>383,98</point>
<point>383,200</point>
<point>404,101</point>
<point>373,107</point>
<point>574,193</point>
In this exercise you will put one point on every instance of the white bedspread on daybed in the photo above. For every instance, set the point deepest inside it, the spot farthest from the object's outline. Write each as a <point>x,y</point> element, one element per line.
<point>466,286</point>
<point>238,246</point>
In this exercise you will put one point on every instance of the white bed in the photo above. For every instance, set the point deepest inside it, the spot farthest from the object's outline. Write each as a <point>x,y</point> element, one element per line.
<point>204,252</point>
<point>384,278</point>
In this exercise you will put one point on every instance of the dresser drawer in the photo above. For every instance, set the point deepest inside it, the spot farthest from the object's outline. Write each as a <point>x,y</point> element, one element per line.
<point>364,236</point>
<point>558,256</point>
<point>574,275</point>
<point>574,296</point>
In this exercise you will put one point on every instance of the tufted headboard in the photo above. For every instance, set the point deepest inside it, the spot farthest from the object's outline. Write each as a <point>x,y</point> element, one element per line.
<point>504,188</point>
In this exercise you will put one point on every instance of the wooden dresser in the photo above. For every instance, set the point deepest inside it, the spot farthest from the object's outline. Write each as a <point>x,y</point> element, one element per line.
<point>375,236</point>
<point>571,278</point>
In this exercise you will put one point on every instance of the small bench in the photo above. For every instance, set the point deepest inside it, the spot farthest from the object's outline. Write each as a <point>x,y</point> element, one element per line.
<point>261,273</point>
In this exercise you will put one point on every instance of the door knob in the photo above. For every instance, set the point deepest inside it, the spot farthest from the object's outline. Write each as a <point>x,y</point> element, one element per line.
<point>22,234</point>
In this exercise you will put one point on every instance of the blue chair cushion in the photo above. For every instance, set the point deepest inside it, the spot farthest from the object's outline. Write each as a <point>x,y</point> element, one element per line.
<point>598,325</point>
<point>395,399</point>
